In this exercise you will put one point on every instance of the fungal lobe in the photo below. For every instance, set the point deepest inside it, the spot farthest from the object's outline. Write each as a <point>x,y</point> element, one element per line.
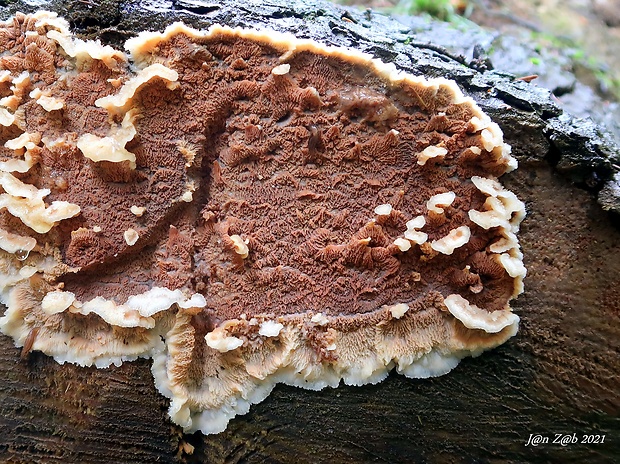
<point>246,208</point>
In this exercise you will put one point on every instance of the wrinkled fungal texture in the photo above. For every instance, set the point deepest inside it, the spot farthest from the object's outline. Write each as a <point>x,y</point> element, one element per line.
<point>246,208</point>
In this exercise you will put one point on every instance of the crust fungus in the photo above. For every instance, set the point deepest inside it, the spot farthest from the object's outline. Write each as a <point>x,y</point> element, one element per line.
<point>259,160</point>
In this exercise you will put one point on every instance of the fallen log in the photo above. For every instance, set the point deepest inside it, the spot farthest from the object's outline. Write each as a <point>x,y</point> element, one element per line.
<point>557,378</point>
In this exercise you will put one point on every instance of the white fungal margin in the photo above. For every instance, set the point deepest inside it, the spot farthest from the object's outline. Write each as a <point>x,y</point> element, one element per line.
<point>438,202</point>
<point>456,238</point>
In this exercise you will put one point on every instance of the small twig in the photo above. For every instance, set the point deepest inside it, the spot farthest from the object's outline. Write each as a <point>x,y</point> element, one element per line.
<point>88,2</point>
<point>529,78</point>
<point>439,49</point>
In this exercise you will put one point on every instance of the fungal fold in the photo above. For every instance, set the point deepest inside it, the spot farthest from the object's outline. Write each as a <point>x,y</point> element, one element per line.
<point>246,208</point>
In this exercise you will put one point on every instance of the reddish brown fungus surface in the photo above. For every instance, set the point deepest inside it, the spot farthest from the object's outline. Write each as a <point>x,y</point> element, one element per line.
<point>271,208</point>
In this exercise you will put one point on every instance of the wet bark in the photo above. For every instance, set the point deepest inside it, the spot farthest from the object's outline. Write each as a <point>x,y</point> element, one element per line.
<point>559,375</point>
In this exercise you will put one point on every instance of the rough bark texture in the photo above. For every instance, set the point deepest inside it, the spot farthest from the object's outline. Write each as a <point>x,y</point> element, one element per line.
<point>560,374</point>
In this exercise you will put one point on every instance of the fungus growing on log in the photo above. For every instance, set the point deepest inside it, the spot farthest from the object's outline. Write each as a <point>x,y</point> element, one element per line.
<point>246,208</point>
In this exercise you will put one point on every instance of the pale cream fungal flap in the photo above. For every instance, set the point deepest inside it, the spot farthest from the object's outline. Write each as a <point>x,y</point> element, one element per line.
<point>112,147</point>
<point>246,208</point>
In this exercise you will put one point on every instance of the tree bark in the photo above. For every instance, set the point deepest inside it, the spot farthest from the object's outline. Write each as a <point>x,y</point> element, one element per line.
<point>559,375</point>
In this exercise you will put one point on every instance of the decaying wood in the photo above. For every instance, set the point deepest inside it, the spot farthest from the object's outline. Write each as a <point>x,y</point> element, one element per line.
<point>559,375</point>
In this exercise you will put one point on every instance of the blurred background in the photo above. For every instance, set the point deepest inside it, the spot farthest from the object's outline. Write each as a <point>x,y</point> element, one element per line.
<point>571,46</point>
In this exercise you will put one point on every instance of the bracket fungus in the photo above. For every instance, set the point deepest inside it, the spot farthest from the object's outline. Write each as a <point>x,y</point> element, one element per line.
<point>246,208</point>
